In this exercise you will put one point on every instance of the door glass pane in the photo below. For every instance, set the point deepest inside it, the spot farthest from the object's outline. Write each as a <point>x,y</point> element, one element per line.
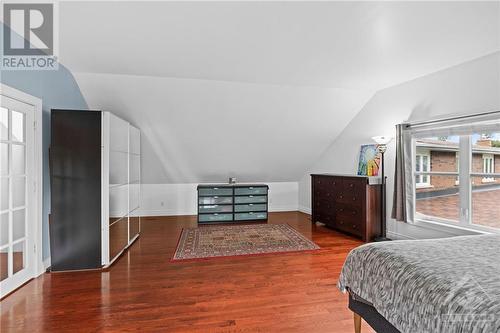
<point>118,201</point>
<point>118,168</point>
<point>440,199</point>
<point>4,229</point>
<point>4,162</point>
<point>18,224</point>
<point>4,263</point>
<point>17,126</point>
<point>18,160</point>
<point>18,256</point>
<point>135,168</point>
<point>486,202</point>
<point>4,193</point>
<point>4,124</point>
<point>18,191</point>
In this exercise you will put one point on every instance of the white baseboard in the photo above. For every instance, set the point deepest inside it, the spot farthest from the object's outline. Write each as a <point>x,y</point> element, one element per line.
<point>397,236</point>
<point>168,212</point>
<point>285,208</point>
<point>165,212</point>
<point>305,210</point>
<point>46,264</point>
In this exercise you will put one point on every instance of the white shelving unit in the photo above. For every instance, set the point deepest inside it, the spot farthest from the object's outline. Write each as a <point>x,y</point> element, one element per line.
<point>121,186</point>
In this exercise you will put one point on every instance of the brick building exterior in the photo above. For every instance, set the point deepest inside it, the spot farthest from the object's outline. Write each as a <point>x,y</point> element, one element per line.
<point>442,156</point>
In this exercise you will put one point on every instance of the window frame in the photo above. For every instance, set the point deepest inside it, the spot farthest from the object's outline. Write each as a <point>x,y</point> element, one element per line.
<point>464,176</point>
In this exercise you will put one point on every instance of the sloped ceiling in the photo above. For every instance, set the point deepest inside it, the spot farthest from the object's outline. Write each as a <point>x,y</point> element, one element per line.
<point>205,130</point>
<point>256,90</point>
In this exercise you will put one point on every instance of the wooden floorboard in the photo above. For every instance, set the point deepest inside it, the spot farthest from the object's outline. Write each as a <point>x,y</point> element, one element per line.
<point>145,292</point>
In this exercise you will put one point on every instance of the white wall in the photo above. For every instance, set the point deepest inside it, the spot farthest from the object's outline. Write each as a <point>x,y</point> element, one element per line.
<point>199,130</point>
<point>467,88</point>
<point>180,199</point>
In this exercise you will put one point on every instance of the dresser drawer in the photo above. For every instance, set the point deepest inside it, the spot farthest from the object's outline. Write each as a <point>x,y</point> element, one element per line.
<point>215,208</point>
<point>250,199</point>
<point>215,200</point>
<point>348,211</point>
<point>215,191</point>
<point>350,225</point>
<point>251,190</point>
<point>251,208</point>
<point>353,185</point>
<point>215,217</point>
<point>327,181</point>
<point>324,205</point>
<point>250,216</point>
<point>351,198</point>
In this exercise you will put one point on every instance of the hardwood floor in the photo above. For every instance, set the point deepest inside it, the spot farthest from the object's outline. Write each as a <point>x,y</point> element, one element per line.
<point>145,292</point>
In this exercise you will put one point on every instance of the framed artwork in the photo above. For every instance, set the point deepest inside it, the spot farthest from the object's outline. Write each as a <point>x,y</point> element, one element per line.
<point>369,160</point>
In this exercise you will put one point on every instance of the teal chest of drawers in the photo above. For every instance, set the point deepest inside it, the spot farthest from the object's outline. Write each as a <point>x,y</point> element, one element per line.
<point>225,203</point>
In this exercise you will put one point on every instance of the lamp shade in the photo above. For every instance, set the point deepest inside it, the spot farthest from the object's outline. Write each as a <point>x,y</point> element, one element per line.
<point>382,140</point>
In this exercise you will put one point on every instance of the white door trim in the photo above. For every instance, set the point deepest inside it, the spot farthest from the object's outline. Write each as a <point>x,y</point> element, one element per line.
<point>36,102</point>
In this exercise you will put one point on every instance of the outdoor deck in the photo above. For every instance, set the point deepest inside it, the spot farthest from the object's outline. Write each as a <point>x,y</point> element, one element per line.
<point>485,207</point>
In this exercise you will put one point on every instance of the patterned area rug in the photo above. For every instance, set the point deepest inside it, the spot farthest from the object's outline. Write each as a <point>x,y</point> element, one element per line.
<point>239,240</point>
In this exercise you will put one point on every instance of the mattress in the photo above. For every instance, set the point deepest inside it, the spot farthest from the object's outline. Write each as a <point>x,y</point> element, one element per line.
<point>439,285</point>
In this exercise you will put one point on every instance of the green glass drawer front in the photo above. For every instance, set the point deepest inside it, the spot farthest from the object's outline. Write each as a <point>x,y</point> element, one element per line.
<point>250,190</point>
<point>215,217</point>
<point>215,200</point>
<point>250,216</point>
<point>215,191</point>
<point>216,209</point>
<point>250,208</point>
<point>251,199</point>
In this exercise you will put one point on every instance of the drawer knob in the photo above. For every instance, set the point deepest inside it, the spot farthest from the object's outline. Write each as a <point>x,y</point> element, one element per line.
<point>216,188</point>
<point>251,188</point>
<point>250,204</point>
<point>351,185</point>
<point>341,222</point>
<point>353,198</point>
<point>341,209</point>
<point>341,197</point>
<point>354,226</point>
<point>251,196</point>
<point>215,197</point>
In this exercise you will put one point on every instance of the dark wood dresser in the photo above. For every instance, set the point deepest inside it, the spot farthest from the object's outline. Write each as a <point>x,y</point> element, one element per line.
<point>349,204</point>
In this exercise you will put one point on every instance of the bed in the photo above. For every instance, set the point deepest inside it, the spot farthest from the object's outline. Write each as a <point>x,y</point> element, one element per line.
<point>440,285</point>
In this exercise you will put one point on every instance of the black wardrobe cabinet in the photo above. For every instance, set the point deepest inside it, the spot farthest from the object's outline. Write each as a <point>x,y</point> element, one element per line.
<point>95,188</point>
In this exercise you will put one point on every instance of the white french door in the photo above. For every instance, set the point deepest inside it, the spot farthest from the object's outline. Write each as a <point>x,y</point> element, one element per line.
<point>17,195</point>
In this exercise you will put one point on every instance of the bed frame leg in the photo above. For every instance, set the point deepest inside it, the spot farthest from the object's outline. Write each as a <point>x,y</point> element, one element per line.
<point>357,323</point>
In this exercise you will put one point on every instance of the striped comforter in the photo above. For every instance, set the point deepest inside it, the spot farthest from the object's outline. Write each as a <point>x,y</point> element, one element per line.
<point>440,285</point>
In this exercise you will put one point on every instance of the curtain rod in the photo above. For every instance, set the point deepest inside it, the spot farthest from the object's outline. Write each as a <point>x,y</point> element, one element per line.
<point>435,121</point>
